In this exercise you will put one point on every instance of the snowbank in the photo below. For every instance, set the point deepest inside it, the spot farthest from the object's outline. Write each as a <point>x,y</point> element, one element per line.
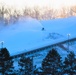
<point>27,34</point>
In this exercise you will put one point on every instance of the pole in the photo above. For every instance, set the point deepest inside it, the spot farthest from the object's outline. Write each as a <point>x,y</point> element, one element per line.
<point>2,44</point>
<point>32,65</point>
<point>68,40</point>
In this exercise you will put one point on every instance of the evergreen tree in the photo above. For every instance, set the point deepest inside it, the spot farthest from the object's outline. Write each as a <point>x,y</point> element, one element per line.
<point>26,66</point>
<point>6,64</point>
<point>70,64</point>
<point>4,54</point>
<point>9,68</point>
<point>52,63</point>
<point>38,71</point>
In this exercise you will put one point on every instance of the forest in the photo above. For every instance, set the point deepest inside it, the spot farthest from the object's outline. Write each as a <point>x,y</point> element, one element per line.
<point>52,64</point>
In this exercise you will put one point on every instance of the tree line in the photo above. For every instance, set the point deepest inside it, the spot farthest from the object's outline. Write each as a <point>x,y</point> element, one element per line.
<point>7,64</point>
<point>52,64</point>
<point>12,15</point>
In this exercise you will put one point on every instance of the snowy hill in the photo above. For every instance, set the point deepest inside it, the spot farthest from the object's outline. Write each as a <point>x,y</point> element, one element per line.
<point>27,33</point>
<point>62,26</point>
<point>21,34</point>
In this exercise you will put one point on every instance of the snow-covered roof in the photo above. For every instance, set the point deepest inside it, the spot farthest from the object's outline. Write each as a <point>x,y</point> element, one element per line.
<point>26,33</point>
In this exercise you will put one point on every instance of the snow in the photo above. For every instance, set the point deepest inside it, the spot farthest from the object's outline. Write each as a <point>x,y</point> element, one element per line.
<point>63,26</point>
<point>20,34</point>
<point>27,34</point>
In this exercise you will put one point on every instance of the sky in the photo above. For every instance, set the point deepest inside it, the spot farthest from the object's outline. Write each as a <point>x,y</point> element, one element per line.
<point>53,3</point>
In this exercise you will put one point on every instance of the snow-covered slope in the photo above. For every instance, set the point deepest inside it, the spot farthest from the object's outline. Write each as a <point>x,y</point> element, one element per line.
<point>63,26</point>
<point>27,33</point>
<point>24,33</point>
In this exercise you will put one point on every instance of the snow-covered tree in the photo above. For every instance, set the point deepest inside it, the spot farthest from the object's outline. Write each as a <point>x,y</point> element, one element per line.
<point>26,66</point>
<point>52,63</point>
<point>70,64</point>
<point>9,68</point>
<point>38,71</point>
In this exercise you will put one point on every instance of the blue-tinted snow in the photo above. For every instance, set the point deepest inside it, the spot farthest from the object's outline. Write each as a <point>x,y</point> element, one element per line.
<point>27,34</point>
<point>63,26</point>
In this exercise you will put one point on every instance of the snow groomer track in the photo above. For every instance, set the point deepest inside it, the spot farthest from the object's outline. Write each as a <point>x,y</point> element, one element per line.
<point>48,47</point>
